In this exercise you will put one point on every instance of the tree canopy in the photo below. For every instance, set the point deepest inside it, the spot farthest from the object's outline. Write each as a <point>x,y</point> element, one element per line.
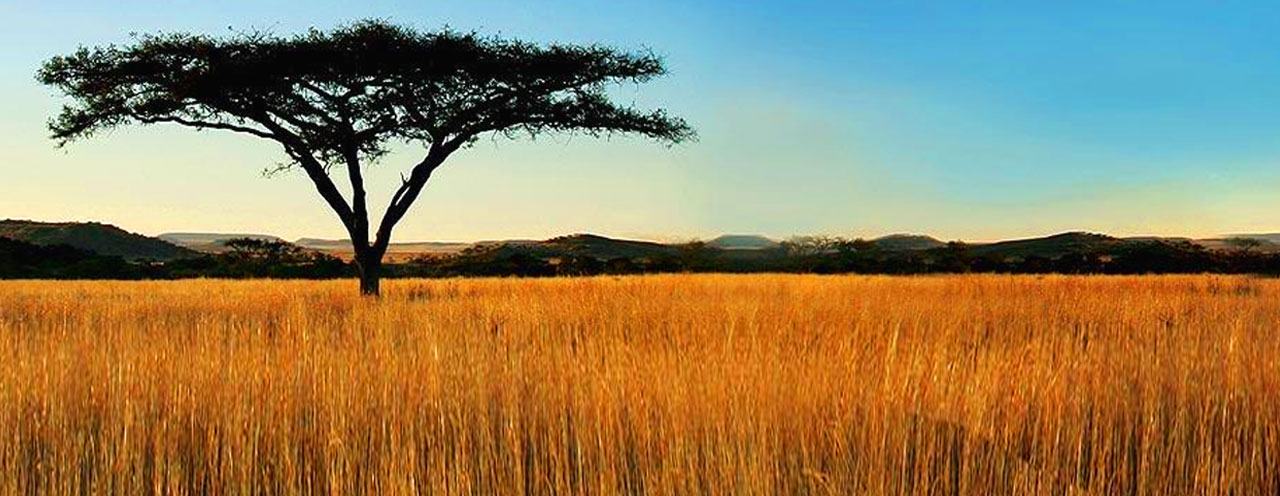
<point>339,98</point>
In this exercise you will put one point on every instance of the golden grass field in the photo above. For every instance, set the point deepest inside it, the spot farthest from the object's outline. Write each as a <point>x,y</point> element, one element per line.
<point>674,384</point>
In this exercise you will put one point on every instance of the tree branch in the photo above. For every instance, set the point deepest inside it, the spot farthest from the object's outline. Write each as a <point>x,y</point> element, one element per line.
<point>297,149</point>
<point>203,124</point>
<point>360,238</point>
<point>410,188</point>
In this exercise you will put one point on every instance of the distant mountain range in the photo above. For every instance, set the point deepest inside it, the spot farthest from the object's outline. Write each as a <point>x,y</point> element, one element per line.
<point>108,240</point>
<point>216,243</point>
<point>344,245</point>
<point>210,242</point>
<point>102,239</point>
<point>1267,238</point>
<point>590,245</point>
<point>1050,246</point>
<point>742,242</point>
<point>907,242</point>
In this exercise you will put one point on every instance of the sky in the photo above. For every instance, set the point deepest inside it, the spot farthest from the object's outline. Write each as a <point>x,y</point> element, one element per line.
<point>964,120</point>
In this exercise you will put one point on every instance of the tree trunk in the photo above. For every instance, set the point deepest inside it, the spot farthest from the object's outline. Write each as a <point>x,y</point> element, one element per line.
<point>369,267</point>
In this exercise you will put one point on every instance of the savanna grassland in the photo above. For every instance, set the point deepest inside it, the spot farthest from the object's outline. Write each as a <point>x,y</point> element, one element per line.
<point>674,384</point>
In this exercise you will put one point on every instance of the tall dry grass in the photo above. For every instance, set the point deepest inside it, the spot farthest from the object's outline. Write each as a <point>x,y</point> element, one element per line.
<point>761,384</point>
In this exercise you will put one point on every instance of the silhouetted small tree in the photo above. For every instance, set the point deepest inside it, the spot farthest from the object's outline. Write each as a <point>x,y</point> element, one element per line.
<point>695,256</point>
<point>953,257</point>
<point>336,100</point>
<point>1246,245</point>
<point>262,249</point>
<point>857,246</point>
<point>808,246</point>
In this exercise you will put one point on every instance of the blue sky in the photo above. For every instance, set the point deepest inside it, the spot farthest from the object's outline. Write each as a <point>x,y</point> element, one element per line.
<point>977,121</point>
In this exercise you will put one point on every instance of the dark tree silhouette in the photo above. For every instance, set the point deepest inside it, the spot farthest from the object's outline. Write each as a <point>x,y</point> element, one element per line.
<point>262,249</point>
<point>338,99</point>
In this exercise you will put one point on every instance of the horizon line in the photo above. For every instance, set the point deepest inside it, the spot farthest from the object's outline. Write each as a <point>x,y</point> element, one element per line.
<point>666,239</point>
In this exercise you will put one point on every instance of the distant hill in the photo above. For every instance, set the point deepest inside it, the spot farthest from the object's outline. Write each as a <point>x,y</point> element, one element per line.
<point>1266,237</point>
<point>1162,239</point>
<point>324,244</point>
<point>1264,243</point>
<point>344,245</point>
<point>742,242</point>
<point>210,242</point>
<point>604,248</point>
<point>507,242</point>
<point>588,245</point>
<point>216,243</point>
<point>907,242</point>
<point>102,239</point>
<point>1050,246</point>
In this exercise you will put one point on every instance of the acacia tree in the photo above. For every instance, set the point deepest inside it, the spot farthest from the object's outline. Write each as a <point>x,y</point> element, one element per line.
<point>337,100</point>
